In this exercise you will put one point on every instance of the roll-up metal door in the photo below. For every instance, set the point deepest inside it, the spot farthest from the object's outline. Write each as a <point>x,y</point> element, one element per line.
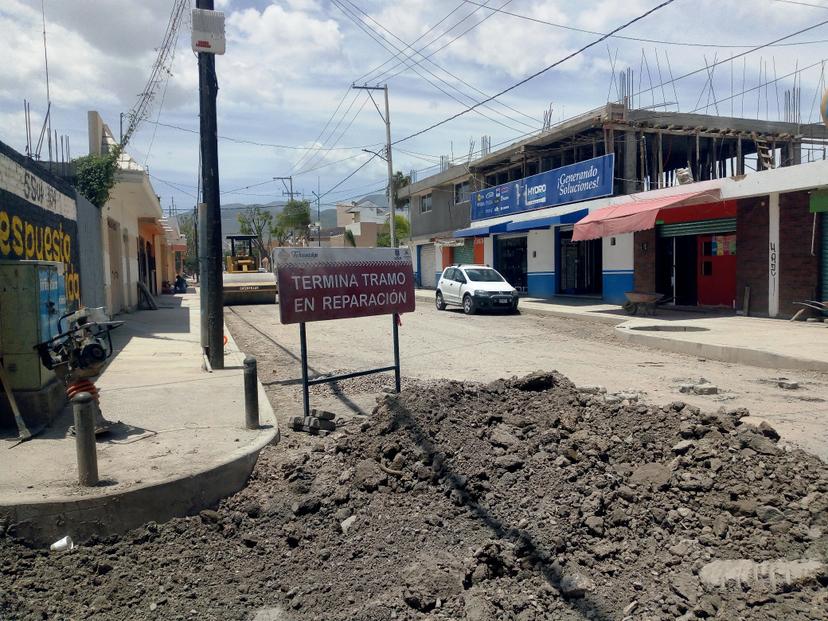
<point>824,256</point>
<point>702,227</point>
<point>428,266</point>
<point>465,253</point>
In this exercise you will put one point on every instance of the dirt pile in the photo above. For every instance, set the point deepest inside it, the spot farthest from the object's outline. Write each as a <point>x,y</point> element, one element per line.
<point>523,499</point>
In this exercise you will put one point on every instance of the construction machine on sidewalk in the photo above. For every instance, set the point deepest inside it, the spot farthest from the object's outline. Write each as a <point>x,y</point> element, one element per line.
<point>246,281</point>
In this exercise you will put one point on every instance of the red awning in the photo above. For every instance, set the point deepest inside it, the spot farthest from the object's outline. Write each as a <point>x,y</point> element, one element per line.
<point>629,217</point>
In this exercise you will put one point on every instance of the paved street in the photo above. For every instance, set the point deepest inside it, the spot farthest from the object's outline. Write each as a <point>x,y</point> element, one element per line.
<point>451,345</point>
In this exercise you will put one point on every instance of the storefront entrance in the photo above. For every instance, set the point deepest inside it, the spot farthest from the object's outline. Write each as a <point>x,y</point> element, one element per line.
<point>717,270</point>
<point>579,271</point>
<point>510,260</point>
<point>697,270</point>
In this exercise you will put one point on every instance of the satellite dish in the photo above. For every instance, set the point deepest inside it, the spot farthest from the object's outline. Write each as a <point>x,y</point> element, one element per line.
<point>823,108</point>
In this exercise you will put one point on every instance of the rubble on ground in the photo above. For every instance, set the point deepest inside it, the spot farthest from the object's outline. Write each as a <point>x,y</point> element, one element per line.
<point>524,499</point>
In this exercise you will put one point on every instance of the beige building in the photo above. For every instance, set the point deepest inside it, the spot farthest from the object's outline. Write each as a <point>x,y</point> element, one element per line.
<point>138,243</point>
<point>363,220</point>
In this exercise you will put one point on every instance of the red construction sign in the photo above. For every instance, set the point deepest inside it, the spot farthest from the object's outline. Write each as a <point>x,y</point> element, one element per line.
<point>316,284</point>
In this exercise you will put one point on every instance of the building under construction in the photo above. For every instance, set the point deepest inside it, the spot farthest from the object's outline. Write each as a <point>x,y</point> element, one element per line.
<point>518,208</point>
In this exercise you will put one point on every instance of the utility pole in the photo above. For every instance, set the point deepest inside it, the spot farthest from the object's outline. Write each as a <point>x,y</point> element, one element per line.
<point>212,287</point>
<point>288,188</point>
<point>395,319</point>
<point>391,190</point>
<point>318,220</point>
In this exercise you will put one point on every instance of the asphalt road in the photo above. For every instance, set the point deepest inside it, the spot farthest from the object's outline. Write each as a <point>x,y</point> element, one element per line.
<point>482,348</point>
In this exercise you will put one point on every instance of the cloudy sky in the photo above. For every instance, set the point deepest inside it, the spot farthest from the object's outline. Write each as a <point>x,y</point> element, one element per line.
<point>290,64</point>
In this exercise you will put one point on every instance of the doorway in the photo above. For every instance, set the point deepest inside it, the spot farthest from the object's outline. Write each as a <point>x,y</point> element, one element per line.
<point>511,261</point>
<point>676,269</point>
<point>717,270</point>
<point>580,265</point>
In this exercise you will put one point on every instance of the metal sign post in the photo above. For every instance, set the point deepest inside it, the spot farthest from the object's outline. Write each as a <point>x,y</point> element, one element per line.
<point>307,383</point>
<point>318,284</point>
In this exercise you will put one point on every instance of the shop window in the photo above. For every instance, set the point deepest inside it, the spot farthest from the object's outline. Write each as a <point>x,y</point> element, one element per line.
<point>425,203</point>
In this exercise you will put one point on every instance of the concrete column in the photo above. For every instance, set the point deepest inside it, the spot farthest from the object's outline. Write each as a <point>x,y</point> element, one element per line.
<point>773,254</point>
<point>630,176</point>
<point>488,250</point>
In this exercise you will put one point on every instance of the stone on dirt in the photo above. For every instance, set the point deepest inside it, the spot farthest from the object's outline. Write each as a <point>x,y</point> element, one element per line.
<point>523,499</point>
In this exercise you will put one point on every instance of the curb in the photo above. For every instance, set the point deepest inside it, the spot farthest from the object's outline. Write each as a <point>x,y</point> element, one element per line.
<point>724,353</point>
<point>42,522</point>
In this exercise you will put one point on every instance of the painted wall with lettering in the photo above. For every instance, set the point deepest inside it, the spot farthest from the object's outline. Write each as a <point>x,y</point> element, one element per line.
<point>568,184</point>
<point>38,217</point>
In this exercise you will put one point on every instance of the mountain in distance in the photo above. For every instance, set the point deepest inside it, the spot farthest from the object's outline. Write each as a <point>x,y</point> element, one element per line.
<point>230,215</point>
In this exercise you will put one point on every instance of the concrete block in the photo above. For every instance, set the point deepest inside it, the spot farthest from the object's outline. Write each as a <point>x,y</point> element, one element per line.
<point>777,575</point>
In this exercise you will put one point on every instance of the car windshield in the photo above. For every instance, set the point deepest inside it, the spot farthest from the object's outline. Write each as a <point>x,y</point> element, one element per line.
<point>480,274</point>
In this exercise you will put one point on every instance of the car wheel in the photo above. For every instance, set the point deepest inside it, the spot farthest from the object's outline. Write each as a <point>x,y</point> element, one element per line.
<point>515,309</point>
<point>441,305</point>
<point>468,305</point>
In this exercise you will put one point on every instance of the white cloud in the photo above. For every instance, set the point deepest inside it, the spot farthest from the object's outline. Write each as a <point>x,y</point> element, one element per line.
<point>289,61</point>
<point>270,48</point>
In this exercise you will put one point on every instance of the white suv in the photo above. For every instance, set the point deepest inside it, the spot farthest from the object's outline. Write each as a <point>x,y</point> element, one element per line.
<point>475,287</point>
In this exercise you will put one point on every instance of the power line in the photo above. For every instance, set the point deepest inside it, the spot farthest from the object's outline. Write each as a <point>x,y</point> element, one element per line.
<point>815,6</point>
<point>538,73</point>
<point>263,144</point>
<point>456,77</point>
<point>426,57</point>
<point>351,174</point>
<point>174,186</point>
<point>322,132</point>
<point>639,39</point>
<point>365,76</point>
<point>383,43</point>
<point>320,155</point>
<point>314,147</point>
<point>141,109</point>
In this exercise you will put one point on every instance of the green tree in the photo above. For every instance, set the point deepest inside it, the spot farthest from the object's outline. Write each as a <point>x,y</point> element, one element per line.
<point>186,224</point>
<point>402,230</point>
<point>350,240</point>
<point>295,218</point>
<point>95,176</point>
<point>259,222</point>
<point>280,235</point>
<point>400,181</point>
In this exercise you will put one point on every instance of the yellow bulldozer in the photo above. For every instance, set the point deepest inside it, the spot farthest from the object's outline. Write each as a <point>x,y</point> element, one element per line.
<point>245,280</point>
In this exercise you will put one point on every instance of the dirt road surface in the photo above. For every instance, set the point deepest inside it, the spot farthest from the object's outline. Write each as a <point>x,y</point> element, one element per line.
<point>483,348</point>
<point>518,500</point>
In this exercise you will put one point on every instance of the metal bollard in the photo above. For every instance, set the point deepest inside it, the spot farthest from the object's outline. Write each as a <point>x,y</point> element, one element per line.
<point>251,393</point>
<point>84,409</point>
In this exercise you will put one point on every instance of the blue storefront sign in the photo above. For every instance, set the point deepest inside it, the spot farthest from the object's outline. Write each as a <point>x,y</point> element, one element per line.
<point>569,184</point>
<point>497,201</point>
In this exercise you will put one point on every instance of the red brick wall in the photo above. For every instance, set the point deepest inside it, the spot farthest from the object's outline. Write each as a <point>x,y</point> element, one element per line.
<point>798,269</point>
<point>644,278</point>
<point>752,253</point>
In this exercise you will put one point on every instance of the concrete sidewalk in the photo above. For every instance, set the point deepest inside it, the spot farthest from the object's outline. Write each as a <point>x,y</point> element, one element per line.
<point>756,341</point>
<point>179,444</point>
